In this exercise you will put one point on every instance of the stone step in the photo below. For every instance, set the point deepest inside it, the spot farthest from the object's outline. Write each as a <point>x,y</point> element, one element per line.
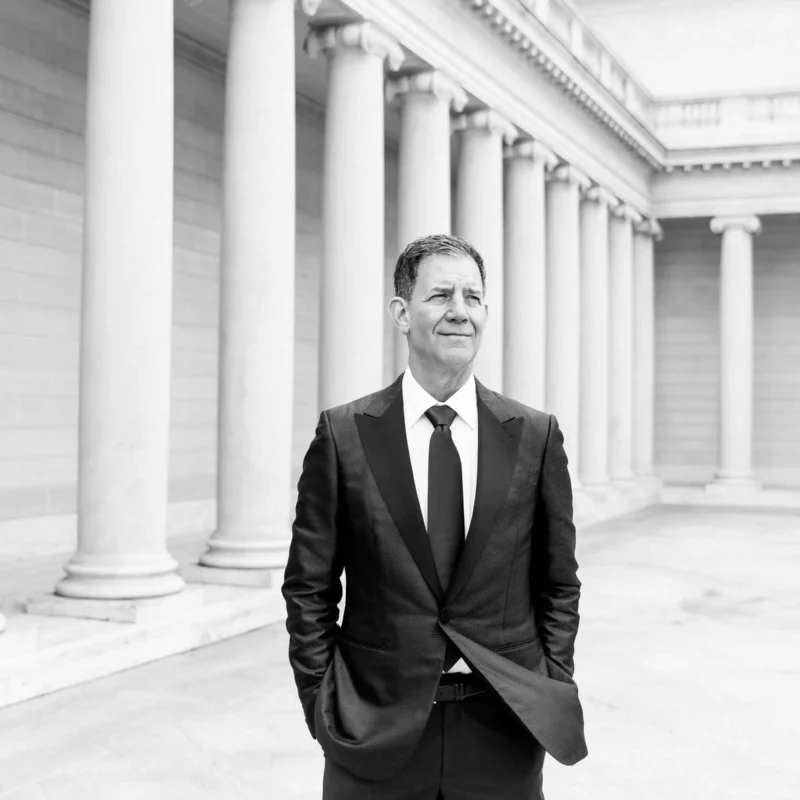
<point>42,654</point>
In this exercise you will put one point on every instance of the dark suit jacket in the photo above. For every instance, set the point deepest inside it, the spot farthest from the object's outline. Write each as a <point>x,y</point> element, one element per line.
<point>367,688</point>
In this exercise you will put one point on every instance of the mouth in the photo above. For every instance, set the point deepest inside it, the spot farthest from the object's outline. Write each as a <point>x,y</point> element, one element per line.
<point>456,335</point>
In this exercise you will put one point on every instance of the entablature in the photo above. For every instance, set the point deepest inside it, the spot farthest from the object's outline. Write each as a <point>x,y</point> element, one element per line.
<point>725,192</point>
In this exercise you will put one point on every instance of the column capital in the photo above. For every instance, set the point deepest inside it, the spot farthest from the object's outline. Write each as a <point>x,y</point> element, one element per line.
<point>750,225</point>
<point>627,213</point>
<point>486,119</point>
<point>649,227</point>
<point>599,194</point>
<point>432,81</point>
<point>534,150</point>
<point>366,36</point>
<point>566,173</point>
<point>308,7</point>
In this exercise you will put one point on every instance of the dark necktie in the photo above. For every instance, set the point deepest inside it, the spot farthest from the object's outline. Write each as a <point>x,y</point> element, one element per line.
<point>445,503</point>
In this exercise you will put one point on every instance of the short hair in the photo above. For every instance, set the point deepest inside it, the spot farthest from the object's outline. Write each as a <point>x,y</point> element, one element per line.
<point>405,271</point>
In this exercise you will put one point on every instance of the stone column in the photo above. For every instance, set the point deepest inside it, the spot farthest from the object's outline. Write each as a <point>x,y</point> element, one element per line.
<point>594,341</point>
<point>735,472</point>
<point>254,441</point>
<point>620,356</point>
<point>2,623</point>
<point>527,163</point>
<point>352,310</point>
<point>126,308</point>
<point>646,233</point>
<point>562,391</point>
<point>423,203</point>
<point>479,220</point>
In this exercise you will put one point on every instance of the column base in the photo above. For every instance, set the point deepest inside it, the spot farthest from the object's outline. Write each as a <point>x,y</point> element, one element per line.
<point>136,612</point>
<point>250,578</point>
<point>728,485</point>
<point>245,553</point>
<point>122,578</point>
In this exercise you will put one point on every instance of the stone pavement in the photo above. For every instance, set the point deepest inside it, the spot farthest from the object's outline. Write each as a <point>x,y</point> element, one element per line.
<point>688,659</point>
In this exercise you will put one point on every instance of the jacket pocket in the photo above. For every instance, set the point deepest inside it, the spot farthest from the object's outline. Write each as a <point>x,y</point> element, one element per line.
<point>510,648</point>
<point>348,640</point>
<point>528,654</point>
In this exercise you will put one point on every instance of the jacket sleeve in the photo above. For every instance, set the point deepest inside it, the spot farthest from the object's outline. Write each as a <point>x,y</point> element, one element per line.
<point>312,585</point>
<point>554,578</point>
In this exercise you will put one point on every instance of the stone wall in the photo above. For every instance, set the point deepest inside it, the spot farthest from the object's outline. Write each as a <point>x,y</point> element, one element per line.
<point>42,89</point>
<point>687,351</point>
<point>776,385</point>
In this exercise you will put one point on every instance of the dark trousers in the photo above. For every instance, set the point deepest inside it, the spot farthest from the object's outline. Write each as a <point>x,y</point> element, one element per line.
<point>475,749</point>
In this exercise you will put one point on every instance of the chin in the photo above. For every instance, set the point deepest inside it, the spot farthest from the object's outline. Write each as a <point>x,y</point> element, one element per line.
<point>458,358</point>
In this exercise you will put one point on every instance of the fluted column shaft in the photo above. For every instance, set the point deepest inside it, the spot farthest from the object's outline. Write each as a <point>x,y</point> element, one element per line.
<point>527,163</point>
<point>620,357</point>
<point>126,310</point>
<point>479,219</point>
<point>352,272</point>
<point>254,441</point>
<point>563,306</point>
<point>423,203</point>
<point>646,233</point>
<point>736,352</point>
<point>594,338</point>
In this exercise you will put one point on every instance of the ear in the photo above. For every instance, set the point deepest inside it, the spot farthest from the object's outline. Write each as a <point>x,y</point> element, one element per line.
<point>398,311</point>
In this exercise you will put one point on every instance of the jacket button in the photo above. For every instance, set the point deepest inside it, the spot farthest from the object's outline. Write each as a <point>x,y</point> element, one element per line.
<point>444,616</point>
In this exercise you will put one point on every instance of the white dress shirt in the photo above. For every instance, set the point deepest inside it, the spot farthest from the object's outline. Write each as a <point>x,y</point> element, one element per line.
<point>416,401</point>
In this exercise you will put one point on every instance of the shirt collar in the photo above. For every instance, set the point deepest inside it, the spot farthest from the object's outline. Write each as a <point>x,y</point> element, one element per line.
<point>416,401</point>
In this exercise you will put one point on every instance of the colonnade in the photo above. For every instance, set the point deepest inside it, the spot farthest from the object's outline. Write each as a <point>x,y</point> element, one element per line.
<point>569,269</point>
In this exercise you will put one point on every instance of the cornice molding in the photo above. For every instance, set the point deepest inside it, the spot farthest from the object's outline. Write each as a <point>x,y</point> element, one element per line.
<point>749,224</point>
<point>366,36</point>
<point>486,119</point>
<point>760,157</point>
<point>595,98</point>
<point>432,81</point>
<point>533,150</point>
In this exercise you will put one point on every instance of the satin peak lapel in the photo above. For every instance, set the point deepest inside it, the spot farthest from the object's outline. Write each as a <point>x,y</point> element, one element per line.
<point>383,435</point>
<point>498,441</point>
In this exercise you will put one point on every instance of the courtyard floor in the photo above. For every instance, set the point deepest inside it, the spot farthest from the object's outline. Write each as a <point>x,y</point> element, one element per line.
<point>688,660</point>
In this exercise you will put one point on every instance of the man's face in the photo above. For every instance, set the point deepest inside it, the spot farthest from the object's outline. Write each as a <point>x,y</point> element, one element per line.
<point>446,314</point>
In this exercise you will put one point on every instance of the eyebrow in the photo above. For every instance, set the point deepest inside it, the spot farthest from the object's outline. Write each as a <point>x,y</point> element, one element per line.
<point>473,289</point>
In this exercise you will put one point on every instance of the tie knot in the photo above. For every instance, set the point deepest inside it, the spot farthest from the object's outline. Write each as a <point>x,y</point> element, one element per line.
<point>441,415</point>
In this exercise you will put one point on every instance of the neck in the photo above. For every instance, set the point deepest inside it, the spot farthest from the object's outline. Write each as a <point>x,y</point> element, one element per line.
<point>438,384</point>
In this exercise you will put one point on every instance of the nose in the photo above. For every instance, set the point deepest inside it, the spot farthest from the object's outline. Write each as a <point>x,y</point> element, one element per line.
<point>457,309</point>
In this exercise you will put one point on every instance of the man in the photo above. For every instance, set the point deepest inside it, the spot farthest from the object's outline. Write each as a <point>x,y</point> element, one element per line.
<point>449,507</point>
